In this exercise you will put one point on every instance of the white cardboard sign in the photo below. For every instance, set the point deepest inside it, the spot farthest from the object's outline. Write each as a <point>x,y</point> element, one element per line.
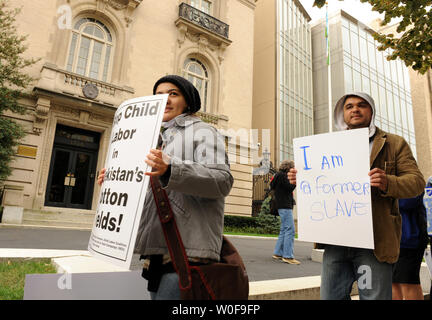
<point>135,131</point>
<point>333,188</point>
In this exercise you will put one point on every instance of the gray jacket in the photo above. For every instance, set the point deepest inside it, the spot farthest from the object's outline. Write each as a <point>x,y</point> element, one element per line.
<point>200,180</point>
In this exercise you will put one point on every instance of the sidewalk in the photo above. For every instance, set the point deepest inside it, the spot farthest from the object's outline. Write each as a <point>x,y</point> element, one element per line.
<point>269,279</point>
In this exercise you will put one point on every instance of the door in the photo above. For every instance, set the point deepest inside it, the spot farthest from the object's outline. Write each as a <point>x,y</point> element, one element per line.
<point>72,173</point>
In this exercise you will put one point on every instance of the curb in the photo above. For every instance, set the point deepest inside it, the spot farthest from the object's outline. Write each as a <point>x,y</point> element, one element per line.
<point>32,226</point>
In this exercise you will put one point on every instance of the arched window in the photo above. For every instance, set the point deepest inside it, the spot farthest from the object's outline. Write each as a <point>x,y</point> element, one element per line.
<point>203,5</point>
<point>90,49</point>
<point>196,72</point>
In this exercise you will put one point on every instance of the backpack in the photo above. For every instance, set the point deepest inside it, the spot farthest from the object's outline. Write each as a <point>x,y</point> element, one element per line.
<point>273,206</point>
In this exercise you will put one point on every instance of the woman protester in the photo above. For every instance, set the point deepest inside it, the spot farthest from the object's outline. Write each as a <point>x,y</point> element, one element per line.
<point>284,249</point>
<point>192,165</point>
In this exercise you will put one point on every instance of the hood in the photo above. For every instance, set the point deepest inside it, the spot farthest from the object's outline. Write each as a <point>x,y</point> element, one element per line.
<point>338,118</point>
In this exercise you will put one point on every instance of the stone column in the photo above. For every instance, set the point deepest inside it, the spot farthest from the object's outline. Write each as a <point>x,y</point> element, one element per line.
<point>13,204</point>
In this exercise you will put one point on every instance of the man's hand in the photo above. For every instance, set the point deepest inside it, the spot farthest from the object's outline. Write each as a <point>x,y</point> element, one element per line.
<point>292,176</point>
<point>157,160</point>
<point>378,178</point>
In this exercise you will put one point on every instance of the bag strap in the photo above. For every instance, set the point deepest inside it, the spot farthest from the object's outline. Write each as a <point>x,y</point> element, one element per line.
<point>172,235</point>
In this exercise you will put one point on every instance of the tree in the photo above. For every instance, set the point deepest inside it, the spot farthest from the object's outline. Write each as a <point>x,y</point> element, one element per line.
<point>13,81</point>
<point>414,45</point>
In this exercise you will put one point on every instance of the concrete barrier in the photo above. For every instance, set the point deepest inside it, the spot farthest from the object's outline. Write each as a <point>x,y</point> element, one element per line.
<point>303,288</point>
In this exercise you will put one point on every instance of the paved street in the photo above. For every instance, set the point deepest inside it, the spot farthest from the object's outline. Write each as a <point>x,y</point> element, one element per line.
<point>256,252</point>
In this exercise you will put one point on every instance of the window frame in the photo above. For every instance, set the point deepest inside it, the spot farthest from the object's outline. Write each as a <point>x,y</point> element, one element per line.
<point>105,66</point>
<point>205,78</point>
<point>199,6</point>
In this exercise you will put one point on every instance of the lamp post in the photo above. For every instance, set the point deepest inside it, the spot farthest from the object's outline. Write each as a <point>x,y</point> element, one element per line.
<point>266,164</point>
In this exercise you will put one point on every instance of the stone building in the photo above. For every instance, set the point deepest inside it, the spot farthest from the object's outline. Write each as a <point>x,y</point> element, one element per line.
<point>421,91</point>
<point>94,54</point>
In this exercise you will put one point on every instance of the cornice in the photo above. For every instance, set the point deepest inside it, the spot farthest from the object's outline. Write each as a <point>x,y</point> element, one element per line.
<point>249,3</point>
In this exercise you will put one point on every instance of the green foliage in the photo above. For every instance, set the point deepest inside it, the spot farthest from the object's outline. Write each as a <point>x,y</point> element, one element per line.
<point>10,133</point>
<point>267,223</point>
<point>262,224</point>
<point>13,80</point>
<point>265,206</point>
<point>414,44</point>
<point>239,222</point>
<point>12,275</point>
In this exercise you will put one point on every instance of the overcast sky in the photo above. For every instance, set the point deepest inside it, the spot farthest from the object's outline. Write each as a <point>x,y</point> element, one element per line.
<point>361,11</point>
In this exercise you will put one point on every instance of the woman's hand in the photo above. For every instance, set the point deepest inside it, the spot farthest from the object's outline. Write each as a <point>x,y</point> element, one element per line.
<point>101,176</point>
<point>158,161</point>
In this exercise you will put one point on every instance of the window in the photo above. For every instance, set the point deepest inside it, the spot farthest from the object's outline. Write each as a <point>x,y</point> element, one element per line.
<point>355,50</point>
<point>203,5</point>
<point>357,81</point>
<point>348,78</point>
<point>90,49</point>
<point>196,72</point>
<point>371,51</point>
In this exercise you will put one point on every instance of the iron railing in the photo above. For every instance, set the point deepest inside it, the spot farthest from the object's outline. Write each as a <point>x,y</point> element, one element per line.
<point>204,20</point>
<point>261,187</point>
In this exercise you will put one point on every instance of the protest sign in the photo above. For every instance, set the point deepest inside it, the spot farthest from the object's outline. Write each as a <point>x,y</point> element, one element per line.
<point>333,188</point>
<point>427,200</point>
<point>428,258</point>
<point>135,131</point>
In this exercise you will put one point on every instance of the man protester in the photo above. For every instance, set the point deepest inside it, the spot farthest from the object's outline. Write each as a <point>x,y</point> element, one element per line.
<point>394,174</point>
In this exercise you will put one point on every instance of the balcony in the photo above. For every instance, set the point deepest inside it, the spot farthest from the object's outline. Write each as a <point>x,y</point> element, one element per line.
<point>203,20</point>
<point>60,81</point>
<point>195,24</point>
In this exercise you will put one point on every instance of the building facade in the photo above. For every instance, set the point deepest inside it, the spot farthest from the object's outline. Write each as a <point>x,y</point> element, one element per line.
<point>283,95</point>
<point>421,94</point>
<point>421,91</point>
<point>94,54</point>
<point>357,65</point>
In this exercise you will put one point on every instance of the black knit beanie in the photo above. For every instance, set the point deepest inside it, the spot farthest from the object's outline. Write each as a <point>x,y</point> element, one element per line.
<point>188,90</point>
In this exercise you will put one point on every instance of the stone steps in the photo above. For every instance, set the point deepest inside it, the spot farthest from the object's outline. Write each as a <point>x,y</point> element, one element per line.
<point>73,218</point>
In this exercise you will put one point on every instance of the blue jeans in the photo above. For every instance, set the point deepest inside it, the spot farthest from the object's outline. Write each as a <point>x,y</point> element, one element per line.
<point>285,243</point>
<point>344,265</point>
<point>168,288</point>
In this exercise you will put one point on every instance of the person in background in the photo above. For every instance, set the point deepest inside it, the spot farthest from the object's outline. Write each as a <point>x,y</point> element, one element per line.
<point>284,249</point>
<point>406,273</point>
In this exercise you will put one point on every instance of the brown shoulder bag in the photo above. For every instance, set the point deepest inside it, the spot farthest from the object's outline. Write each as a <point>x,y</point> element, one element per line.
<point>223,280</point>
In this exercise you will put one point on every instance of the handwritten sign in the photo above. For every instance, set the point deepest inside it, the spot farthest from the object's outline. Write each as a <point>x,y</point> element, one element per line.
<point>135,131</point>
<point>427,200</point>
<point>428,258</point>
<point>333,188</point>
